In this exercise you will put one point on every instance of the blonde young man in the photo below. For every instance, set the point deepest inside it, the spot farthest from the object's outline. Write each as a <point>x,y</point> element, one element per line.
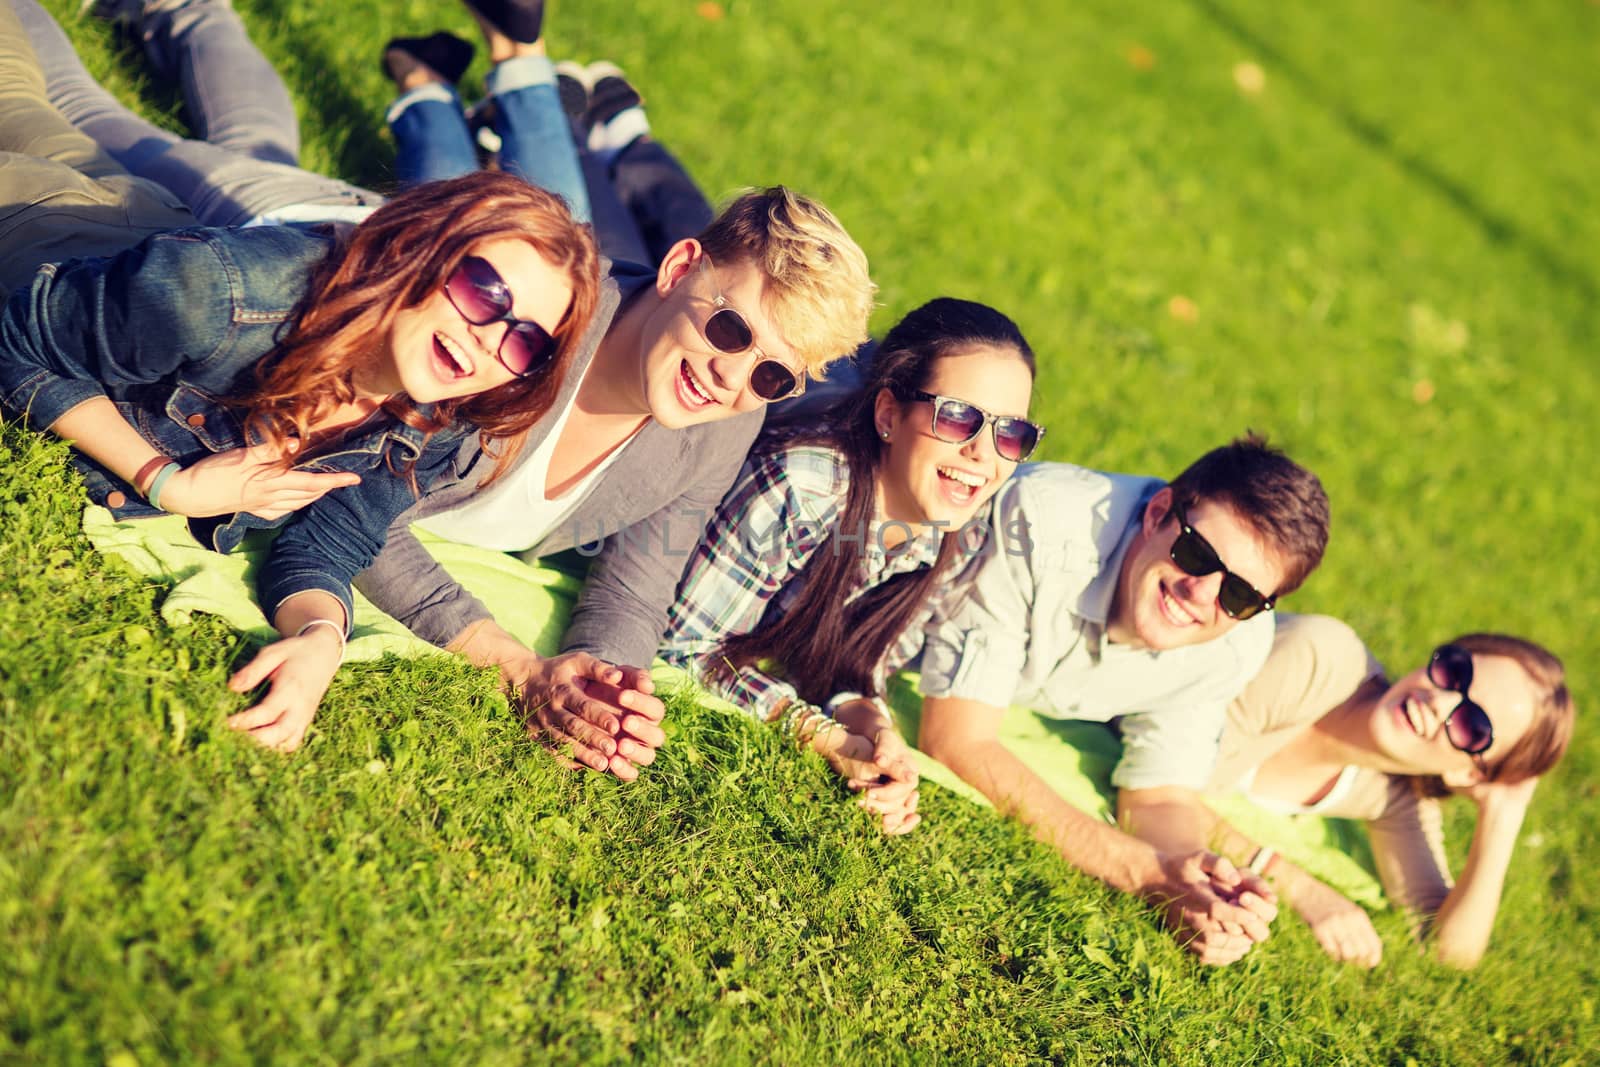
<point>649,430</point>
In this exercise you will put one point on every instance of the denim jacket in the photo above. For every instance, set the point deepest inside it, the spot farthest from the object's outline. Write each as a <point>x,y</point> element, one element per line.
<point>167,329</point>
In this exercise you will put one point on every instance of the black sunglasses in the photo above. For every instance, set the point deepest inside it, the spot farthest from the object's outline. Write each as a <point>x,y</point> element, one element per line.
<point>1467,727</point>
<point>1195,557</point>
<point>478,293</point>
<point>958,422</point>
<point>728,331</point>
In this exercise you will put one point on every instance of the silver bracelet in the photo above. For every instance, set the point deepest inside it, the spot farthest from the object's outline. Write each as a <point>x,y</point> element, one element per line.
<point>325,622</point>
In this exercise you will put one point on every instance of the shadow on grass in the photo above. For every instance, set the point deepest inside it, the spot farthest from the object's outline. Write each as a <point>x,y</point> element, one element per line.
<point>363,156</point>
<point>1498,227</point>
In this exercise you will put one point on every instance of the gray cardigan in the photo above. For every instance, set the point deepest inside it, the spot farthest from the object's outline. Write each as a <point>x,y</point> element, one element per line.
<point>649,507</point>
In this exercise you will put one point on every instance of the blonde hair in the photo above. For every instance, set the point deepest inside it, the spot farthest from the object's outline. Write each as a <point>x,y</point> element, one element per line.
<point>818,291</point>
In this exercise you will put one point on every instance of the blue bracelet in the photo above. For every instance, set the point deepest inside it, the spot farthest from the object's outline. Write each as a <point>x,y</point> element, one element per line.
<point>153,494</point>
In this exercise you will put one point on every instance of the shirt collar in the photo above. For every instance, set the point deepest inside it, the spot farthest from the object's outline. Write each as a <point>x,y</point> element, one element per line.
<point>1094,605</point>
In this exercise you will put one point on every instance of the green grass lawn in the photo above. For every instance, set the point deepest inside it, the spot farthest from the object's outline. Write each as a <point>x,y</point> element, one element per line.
<point>1385,256</point>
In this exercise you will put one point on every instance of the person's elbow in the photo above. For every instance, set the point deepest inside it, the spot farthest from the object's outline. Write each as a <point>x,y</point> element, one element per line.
<point>1459,955</point>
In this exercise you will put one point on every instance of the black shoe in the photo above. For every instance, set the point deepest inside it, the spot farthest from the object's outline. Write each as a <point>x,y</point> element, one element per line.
<point>447,54</point>
<point>520,20</point>
<point>610,93</point>
<point>572,87</point>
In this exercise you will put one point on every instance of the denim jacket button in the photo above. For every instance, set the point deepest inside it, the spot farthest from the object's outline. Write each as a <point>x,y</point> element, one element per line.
<point>196,420</point>
<point>116,498</point>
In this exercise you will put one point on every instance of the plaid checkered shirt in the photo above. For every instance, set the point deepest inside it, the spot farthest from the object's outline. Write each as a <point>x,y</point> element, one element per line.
<point>782,509</point>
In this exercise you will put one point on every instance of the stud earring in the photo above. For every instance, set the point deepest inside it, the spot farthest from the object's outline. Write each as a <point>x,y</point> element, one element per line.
<point>885,434</point>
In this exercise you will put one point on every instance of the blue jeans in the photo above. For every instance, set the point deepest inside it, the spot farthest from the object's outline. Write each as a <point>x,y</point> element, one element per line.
<point>432,139</point>
<point>659,195</point>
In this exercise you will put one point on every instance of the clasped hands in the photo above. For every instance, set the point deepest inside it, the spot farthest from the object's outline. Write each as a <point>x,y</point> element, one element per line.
<point>604,717</point>
<point>866,750</point>
<point>608,718</point>
<point>1217,911</point>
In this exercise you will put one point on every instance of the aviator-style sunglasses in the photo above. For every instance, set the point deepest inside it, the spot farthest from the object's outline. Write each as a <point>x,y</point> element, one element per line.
<point>1467,727</point>
<point>729,332</point>
<point>1195,557</point>
<point>957,422</point>
<point>476,290</point>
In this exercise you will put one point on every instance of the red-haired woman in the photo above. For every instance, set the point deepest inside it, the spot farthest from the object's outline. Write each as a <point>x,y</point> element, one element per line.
<point>279,377</point>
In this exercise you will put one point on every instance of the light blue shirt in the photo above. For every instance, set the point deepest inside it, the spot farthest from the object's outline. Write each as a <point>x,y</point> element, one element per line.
<point>1031,630</point>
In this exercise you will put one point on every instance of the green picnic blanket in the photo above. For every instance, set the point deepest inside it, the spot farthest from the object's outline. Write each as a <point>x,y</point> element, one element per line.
<point>533,602</point>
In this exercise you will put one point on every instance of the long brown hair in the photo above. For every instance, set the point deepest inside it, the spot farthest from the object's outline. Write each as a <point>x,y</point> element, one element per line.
<point>396,259</point>
<point>824,644</point>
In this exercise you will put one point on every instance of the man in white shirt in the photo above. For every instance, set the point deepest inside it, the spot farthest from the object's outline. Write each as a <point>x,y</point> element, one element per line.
<point>1140,602</point>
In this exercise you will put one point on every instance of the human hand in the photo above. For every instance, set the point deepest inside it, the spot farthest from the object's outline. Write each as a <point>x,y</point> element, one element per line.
<point>1341,927</point>
<point>607,717</point>
<point>1215,910</point>
<point>640,733</point>
<point>300,669</point>
<point>880,769</point>
<point>1504,796</point>
<point>247,479</point>
<point>895,803</point>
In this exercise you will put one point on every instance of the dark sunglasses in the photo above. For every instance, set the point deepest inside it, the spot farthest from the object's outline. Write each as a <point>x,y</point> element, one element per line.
<point>476,290</point>
<point>1195,557</point>
<point>728,331</point>
<point>958,422</point>
<point>1468,726</point>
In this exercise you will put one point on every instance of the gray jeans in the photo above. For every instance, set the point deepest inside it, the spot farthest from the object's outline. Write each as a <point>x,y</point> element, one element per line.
<point>61,195</point>
<point>245,166</point>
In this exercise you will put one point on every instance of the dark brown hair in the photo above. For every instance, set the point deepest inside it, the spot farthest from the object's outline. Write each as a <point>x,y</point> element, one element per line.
<point>396,259</point>
<point>1282,501</point>
<point>824,644</point>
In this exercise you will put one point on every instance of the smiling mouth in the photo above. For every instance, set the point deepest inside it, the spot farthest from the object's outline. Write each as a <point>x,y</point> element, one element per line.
<point>962,486</point>
<point>450,356</point>
<point>1175,612</point>
<point>696,395</point>
<point>1413,715</point>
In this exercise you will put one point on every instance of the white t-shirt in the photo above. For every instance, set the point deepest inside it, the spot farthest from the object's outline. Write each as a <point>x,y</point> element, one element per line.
<point>513,514</point>
<point>304,214</point>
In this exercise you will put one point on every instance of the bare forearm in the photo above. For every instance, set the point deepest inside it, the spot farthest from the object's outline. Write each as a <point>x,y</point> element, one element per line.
<point>303,609</point>
<point>1290,881</point>
<point>97,429</point>
<point>1092,846</point>
<point>863,717</point>
<point>486,643</point>
<point>1461,930</point>
<point>1173,820</point>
